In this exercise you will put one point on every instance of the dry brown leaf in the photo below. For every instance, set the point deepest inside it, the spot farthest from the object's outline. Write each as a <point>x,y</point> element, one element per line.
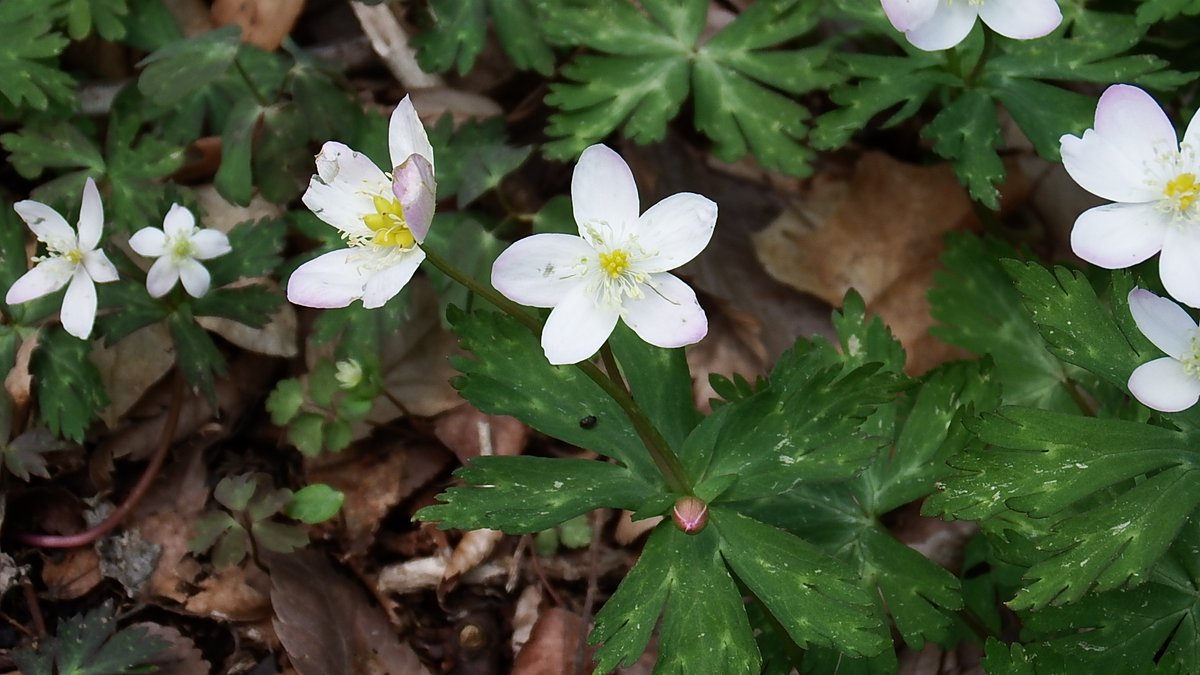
<point>629,530</point>
<point>181,657</point>
<point>474,547</point>
<point>553,646</point>
<point>327,625</point>
<point>276,338</point>
<point>73,575</point>
<point>221,215</point>
<point>470,433</point>
<point>264,22</point>
<point>131,366</point>
<point>733,345</point>
<point>525,615</point>
<point>18,382</point>
<point>374,477</point>
<point>165,517</point>
<point>422,574</point>
<point>233,594</point>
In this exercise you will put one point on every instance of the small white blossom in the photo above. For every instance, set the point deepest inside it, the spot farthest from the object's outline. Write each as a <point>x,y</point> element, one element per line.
<point>383,217</point>
<point>70,259</point>
<point>179,247</point>
<point>349,374</point>
<point>933,25</point>
<point>616,268</point>
<point>1172,383</point>
<point>1131,156</point>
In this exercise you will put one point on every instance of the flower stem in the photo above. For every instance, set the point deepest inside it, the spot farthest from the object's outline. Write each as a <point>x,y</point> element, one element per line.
<point>668,464</point>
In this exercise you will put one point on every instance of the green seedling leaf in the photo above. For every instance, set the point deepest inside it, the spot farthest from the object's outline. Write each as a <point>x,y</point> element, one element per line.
<point>458,29</point>
<point>90,644</point>
<point>208,529</point>
<point>521,495</point>
<point>305,432</point>
<point>285,401</point>
<point>70,392</point>
<point>576,532</point>
<point>182,68</point>
<point>23,456</point>
<point>315,503</point>
<point>232,547</point>
<point>234,492</point>
<point>25,77</point>
<point>105,16</point>
<point>278,537</point>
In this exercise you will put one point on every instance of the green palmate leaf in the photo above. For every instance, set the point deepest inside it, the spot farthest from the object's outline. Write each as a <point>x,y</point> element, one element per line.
<point>458,29</point>
<point>234,492</point>
<point>576,532</point>
<point>461,238</point>
<point>968,132</point>
<point>52,145</point>
<point>511,376</point>
<point>1002,659</point>
<point>865,340</point>
<point>650,57</point>
<point>278,537</point>
<point>198,357</point>
<point>90,644</point>
<point>660,383</point>
<point>1152,11</point>
<point>256,251</point>
<point>252,305</point>
<point>307,434</point>
<point>704,628</point>
<point>133,308</point>
<point>181,68</point>
<point>208,529</point>
<point>23,456</point>
<point>150,25</point>
<point>285,400</point>
<point>315,503</point>
<point>233,179</point>
<point>28,42</point>
<point>473,158</point>
<point>70,392</point>
<point>528,494</point>
<point>105,16</point>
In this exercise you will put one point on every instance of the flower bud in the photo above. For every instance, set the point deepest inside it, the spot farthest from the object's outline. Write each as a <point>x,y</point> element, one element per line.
<point>690,514</point>
<point>349,374</point>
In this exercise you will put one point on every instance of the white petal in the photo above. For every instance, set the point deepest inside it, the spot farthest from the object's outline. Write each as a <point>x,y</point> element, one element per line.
<point>1137,127</point>
<point>330,280</point>
<point>386,283</point>
<point>209,243</point>
<point>78,313</point>
<point>1115,236</point>
<point>46,223</point>
<point>539,271</point>
<point>668,315</point>
<point>338,207</point>
<point>91,216</point>
<point>603,195</point>
<point>904,14</point>
<point>1163,385</point>
<point>178,222</point>
<point>1179,265</point>
<point>149,242</point>
<point>406,135</point>
<point>98,266</point>
<point>1102,169</point>
<point>1191,139</point>
<point>1021,20</point>
<point>45,278</point>
<point>577,327</point>
<point>414,186</point>
<point>1163,322</point>
<point>945,28</point>
<point>675,230</point>
<point>195,278</point>
<point>162,277</point>
<point>341,192</point>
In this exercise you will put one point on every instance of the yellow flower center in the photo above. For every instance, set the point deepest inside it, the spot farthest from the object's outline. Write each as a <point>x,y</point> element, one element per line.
<point>614,263</point>
<point>181,249</point>
<point>74,256</point>
<point>1183,190</point>
<point>1191,360</point>
<point>388,224</point>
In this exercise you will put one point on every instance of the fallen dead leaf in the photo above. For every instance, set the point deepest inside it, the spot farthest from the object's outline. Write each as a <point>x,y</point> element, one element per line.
<point>629,530</point>
<point>327,625</point>
<point>18,382</point>
<point>525,615</point>
<point>131,366</point>
<point>165,517</point>
<point>733,345</point>
<point>233,594</point>
<point>422,574</point>
<point>470,433</point>
<point>264,22</point>
<point>72,575</point>
<point>275,338</point>
<point>553,646</point>
<point>11,574</point>
<point>474,547</point>
<point>181,657</point>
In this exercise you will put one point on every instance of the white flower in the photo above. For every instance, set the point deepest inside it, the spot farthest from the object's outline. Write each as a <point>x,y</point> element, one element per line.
<point>383,217</point>
<point>616,268</point>
<point>1132,157</point>
<point>1172,383</point>
<point>349,373</point>
<point>179,247</point>
<point>69,258</point>
<point>940,24</point>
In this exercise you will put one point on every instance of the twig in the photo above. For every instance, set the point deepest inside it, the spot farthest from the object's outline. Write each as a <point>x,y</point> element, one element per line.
<point>35,610</point>
<point>390,42</point>
<point>589,598</point>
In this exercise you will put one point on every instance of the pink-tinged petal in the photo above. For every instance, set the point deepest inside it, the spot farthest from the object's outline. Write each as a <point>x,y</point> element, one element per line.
<point>904,14</point>
<point>78,313</point>
<point>1163,385</point>
<point>195,278</point>
<point>945,28</point>
<point>179,222</point>
<point>1163,322</point>
<point>91,216</point>
<point>1191,141</point>
<point>540,271</point>
<point>338,164</point>
<point>604,196</point>
<point>339,207</point>
<point>161,278</point>
<point>668,315</point>
<point>406,135</point>
<point>45,278</point>
<point>45,223</point>
<point>1021,20</point>
<point>99,267</point>
<point>675,230</point>
<point>1130,120</point>
<point>149,242</point>
<point>577,327</point>
<point>413,184</point>
<point>1179,265</point>
<point>1102,169</point>
<point>1116,236</point>
<point>384,284</point>
<point>330,280</point>
<point>209,243</point>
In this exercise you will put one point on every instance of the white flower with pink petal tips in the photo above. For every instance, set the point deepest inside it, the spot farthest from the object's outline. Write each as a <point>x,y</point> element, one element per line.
<point>617,268</point>
<point>383,217</point>
<point>1132,157</point>
<point>934,25</point>
<point>1172,383</point>
<point>71,260</point>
